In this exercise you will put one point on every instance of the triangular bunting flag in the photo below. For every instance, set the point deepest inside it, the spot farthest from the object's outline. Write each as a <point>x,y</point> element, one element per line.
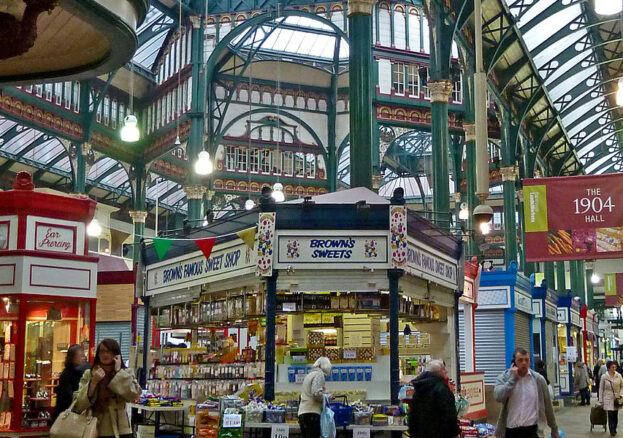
<point>206,245</point>
<point>162,246</point>
<point>248,236</point>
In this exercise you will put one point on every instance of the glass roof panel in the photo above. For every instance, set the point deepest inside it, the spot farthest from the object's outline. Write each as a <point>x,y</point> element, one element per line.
<point>46,152</point>
<point>298,36</point>
<point>116,178</point>
<point>593,166</point>
<point>550,25</point>
<point>101,167</point>
<point>568,84</point>
<point>153,31</point>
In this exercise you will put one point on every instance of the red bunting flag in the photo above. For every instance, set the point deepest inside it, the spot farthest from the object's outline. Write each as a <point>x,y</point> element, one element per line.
<point>206,245</point>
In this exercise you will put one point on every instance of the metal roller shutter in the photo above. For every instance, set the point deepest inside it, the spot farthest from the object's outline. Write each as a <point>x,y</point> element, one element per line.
<point>550,359</point>
<point>490,343</point>
<point>522,331</point>
<point>462,340</point>
<point>140,321</point>
<point>119,331</point>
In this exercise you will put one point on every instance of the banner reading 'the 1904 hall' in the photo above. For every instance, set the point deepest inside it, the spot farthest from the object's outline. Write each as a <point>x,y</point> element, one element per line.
<point>573,218</point>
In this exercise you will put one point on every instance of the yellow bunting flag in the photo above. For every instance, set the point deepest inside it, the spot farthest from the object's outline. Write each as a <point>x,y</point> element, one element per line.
<point>248,236</point>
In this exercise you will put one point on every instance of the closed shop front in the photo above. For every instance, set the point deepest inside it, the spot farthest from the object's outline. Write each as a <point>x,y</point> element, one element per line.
<point>490,344</point>
<point>522,331</point>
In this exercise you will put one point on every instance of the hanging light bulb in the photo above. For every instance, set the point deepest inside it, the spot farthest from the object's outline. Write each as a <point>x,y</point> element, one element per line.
<point>278,195</point>
<point>94,229</point>
<point>619,96</point>
<point>203,165</point>
<point>608,7</point>
<point>249,204</point>
<point>129,130</point>
<point>595,278</point>
<point>464,212</point>
<point>485,228</point>
<point>177,141</point>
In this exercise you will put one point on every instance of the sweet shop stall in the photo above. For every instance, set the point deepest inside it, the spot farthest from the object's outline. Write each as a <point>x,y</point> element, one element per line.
<point>47,300</point>
<point>350,276</point>
<point>569,341</point>
<point>503,319</point>
<point>545,332</point>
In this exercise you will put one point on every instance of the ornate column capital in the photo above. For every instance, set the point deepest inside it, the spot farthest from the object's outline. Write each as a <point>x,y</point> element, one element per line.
<point>85,148</point>
<point>457,197</point>
<point>195,192</point>
<point>377,178</point>
<point>520,195</point>
<point>138,216</point>
<point>589,265</point>
<point>196,21</point>
<point>470,131</point>
<point>509,173</point>
<point>440,90</point>
<point>360,7</point>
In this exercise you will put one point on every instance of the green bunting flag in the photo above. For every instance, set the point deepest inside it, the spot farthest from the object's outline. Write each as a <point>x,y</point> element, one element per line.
<point>162,246</point>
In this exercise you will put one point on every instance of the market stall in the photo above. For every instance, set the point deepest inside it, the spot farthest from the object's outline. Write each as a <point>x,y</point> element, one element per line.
<point>467,306</point>
<point>589,336</point>
<point>345,275</point>
<point>48,292</point>
<point>503,319</point>
<point>544,329</point>
<point>569,341</point>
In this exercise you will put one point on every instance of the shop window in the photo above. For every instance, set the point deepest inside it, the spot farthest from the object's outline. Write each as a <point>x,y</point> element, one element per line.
<point>425,35</point>
<point>287,164</point>
<point>189,97</point>
<point>106,110</point>
<point>310,166</point>
<point>104,246</point>
<point>241,159</point>
<point>384,26</point>
<point>93,244</point>
<point>398,75</point>
<point>183,49</point>
<point>276,163</point>
<point>265,161</point>
<point>76,100</point>
<point>58,93</point>
<point>67,95</point>
<point>28,88</point>
<point>457,93</point>
<point>414,31</point>
<point>425,80</point>
<point>254,158</point>
<point>498,220</point>
<point>9,338</point>
<point>299,164</point>
<point>39,90</point>
<point>98,116</point>
<point>230,158</point>
<point>399,28</point>
<point>48,92</point>
<point>536,343</point>
<point>114,115</point>
<point>413,80</point>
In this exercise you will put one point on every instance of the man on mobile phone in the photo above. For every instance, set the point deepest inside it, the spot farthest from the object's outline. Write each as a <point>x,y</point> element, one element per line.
<point>527,405</point>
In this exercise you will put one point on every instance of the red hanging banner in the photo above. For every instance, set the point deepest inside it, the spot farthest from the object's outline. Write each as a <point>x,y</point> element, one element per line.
<point>206,245</point>
<point>573,218</point>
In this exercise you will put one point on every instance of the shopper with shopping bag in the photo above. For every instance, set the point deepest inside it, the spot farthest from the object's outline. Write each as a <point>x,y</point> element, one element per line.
<point>312,398</point>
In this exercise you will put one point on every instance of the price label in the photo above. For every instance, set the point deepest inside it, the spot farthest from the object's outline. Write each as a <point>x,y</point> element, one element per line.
<point>289,307</point>
<point>350,354</point>
<point>361,432</point>
<point>232,421</point>
<point>299,378</point>
<point>280,431</point>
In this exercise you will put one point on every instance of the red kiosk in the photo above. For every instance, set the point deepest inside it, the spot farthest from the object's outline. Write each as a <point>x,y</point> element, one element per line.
<point>47,299</point>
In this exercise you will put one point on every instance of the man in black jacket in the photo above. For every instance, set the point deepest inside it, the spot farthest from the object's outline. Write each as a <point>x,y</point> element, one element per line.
<point>432,413</point>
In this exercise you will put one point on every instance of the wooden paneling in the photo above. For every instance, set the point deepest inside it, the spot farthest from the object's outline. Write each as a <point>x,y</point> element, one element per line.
<point>114,302</point>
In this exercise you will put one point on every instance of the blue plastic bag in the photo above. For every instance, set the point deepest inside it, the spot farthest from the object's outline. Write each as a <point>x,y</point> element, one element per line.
<point>327,424</point>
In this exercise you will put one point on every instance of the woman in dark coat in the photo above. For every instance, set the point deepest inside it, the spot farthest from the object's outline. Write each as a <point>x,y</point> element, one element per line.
<point>75,364</point>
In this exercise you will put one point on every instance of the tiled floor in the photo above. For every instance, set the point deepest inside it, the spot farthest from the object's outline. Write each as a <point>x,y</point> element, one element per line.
<point>575,421</point>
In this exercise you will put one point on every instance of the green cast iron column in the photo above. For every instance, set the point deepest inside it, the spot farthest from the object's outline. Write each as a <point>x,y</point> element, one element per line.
<point>590,267</point>
<point>470,155</point>
<point>526,170</point>
<point>138,213</point>
<point>195,188</point>
<point>332,121</point>
<point>360,65</point>
<point>80,177</point>
<point>509,133</point>
<point>550,274</point>
<point>561,287</point>
<point>440,87</point>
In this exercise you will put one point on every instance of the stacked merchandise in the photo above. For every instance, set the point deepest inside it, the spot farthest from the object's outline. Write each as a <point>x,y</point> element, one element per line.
<point>208,420</point>
<point>471,430</point>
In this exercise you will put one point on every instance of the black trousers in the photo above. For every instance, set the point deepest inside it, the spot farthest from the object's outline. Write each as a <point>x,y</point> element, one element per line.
<point>613,421</point>
<point>522,432</point>
<point>586,396</point>
<point>310,425</point>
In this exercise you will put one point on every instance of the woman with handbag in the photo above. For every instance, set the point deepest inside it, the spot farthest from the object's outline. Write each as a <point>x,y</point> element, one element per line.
<point>69,381</point>
<point>106,388</point>
<point>611,395</point>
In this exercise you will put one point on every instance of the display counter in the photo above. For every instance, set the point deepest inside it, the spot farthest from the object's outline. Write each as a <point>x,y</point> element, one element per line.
<point>47,300</point>
<point>569,341</point>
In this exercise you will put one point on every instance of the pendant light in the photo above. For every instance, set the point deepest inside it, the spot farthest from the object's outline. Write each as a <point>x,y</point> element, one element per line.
<point>278,194</point>
<point>129,130</point>
<point>94,229</point>
<point>249,204</point>
<point>464,212</point>
<point>203,165</point>
<point>595,278</point>
<point>608,7</point>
